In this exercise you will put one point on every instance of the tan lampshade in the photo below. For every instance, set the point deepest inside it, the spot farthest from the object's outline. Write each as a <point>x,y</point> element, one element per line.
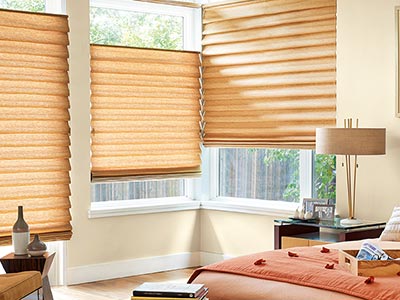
<point>351,141</point>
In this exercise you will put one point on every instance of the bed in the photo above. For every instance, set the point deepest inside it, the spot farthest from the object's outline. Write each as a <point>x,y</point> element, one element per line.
<point>229,285</point>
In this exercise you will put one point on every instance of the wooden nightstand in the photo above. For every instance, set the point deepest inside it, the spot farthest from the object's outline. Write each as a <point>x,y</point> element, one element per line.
<point>293,233</point>
<point>19,263</point>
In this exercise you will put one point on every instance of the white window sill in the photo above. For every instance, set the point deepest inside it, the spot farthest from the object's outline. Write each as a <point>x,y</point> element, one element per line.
<point>147,206</point>
<point>250,206</point>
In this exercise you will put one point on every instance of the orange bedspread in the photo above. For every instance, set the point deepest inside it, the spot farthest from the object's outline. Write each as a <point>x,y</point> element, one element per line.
<point>308,269</point>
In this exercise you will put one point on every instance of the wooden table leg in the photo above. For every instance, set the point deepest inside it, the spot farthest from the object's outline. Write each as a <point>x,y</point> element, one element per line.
<point>47,294</point>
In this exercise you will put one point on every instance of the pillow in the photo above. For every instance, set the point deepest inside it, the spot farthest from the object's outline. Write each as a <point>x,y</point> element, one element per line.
<point>392,229</point>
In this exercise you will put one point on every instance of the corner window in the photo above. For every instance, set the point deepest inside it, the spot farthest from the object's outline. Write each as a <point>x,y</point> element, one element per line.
<point>275,174</point>
<point>144,25</point>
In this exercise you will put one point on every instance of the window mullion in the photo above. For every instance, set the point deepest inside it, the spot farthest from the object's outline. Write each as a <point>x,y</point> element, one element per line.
<point>56,6</point>
<point>214,173</point>
<point>306,167</point>
<point>189,188</point>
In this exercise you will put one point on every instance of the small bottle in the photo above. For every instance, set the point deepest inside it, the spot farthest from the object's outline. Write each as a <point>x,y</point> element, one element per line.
<point>20,234</point>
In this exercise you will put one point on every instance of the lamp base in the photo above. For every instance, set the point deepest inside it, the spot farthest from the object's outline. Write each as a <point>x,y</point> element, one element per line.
<point>349,222</point>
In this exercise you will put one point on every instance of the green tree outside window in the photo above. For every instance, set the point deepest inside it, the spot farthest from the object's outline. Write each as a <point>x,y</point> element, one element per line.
<point>324,173</point>
<point>135,29</point>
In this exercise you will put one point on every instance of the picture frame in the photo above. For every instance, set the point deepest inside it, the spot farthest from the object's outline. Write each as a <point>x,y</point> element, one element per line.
<point>308,204</point>
<point>324,212</point>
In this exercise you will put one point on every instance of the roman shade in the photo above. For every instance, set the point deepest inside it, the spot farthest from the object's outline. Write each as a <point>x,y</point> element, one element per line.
<point>269,72</point>
<point>145,113</point>
<point>34,130</point>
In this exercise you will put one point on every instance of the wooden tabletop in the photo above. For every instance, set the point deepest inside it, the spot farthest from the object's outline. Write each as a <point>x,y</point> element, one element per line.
<point>18,263</point>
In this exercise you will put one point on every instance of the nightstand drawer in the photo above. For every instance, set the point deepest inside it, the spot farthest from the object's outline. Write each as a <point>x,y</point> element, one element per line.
<point>316,243</point>
<point>289,242</point>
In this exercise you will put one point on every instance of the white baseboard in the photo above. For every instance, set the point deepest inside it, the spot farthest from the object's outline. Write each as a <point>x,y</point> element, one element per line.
<point>207,258</point>
<point>132,267</point>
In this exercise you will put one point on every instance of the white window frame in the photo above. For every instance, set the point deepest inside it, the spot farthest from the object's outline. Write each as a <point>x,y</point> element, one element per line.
<point>264,207</point>
<point>191,42</point>
<point>56,6</point>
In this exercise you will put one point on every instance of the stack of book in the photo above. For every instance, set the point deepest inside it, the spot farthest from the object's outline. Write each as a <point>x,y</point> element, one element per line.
<point>170,291</point>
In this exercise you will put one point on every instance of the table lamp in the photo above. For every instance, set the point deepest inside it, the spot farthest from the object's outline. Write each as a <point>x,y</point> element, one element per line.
<point>351,141</point>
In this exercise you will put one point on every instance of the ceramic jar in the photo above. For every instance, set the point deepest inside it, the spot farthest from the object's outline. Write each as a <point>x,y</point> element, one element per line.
<point>37,247</point>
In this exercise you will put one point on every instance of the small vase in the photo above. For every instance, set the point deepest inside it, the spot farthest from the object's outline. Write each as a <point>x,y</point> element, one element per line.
<point>308,215</point>
<point>20,234</point>
<point>37,247</point>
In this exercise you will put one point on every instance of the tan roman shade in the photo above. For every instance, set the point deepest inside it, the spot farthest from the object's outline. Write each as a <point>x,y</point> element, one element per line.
<point>269,72</point>
<point>34,130</point>
<point>145,112</point>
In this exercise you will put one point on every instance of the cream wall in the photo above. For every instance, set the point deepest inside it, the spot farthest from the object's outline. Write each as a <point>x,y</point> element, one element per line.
<point>366,86</point>
<point>366,89</point>
<point>104,240</point>
<point>235,233</point>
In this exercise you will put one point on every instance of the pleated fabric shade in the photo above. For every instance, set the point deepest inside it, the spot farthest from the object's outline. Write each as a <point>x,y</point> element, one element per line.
<point>145,113</point>
<point>34,129</point>
<point>269,76</point>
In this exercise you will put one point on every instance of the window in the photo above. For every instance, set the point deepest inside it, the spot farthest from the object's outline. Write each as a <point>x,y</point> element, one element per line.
<point>114,27</point>
<point>35,122</point>
<point>259,174</point>
<point>145,25</point>
<point>262,89</point>
<point>275,174</point>
<point>27,5</point>
<point>138,190</point>
<point>324,176</point>
<point>139,24</point>
<point>56,273</point>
